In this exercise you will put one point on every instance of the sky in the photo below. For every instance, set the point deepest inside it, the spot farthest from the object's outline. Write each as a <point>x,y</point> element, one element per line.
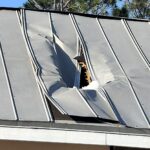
<point>19,3</point>
<point>120,3</point>
<point>12,3</point>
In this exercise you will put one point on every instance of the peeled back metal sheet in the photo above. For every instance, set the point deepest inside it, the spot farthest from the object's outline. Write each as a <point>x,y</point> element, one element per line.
<point>109,75</point>
<point>50,60</point>
<point>66,46</point>
<point>42,46</point>
<point>73,102</point>
<point>99,104</point>
<point>90,31</point>
<point>134,67</point>
<point>64,30</point>
<point>27,97</point>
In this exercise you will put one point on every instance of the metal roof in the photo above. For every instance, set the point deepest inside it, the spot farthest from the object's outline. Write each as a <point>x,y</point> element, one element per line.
<point>36,66</point>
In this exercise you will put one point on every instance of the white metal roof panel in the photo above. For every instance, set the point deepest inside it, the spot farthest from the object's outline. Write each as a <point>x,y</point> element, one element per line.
<point>141,32</point>
<point>109,74</point>
<point>28,100</point>
<point>131,61</point>
<point>7,110</point>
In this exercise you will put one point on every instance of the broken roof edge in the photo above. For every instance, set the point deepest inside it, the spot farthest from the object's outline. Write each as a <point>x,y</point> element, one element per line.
<point>79,14</point>
<point>61,133</point>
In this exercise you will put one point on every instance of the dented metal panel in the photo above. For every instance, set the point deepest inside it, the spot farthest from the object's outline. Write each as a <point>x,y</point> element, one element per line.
<point>64,30</point>
<point>90,32</point>
<point>99,104</point>
<point>109,74</point>
<point>74,103</point>
<point>132,63</point>
<point>55,67</point>
<point>66,45</point>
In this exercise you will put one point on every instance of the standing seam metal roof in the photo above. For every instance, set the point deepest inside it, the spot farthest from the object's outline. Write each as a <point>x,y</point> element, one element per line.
<point>37,51</point>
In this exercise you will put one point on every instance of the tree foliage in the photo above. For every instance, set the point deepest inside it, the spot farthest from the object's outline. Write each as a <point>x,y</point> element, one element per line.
<point>139,8</point>
<point>82,6</point>
<point>121,12</point>
<point>128,8</point>
<point>134,9</point>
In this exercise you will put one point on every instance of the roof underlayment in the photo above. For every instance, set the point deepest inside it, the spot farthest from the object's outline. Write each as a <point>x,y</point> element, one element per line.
<point>36,63</point>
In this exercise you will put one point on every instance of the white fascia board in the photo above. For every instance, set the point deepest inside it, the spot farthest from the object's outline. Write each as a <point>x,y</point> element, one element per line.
<point>74,137</point>
<point>52,135</point>
<point>128,140</point>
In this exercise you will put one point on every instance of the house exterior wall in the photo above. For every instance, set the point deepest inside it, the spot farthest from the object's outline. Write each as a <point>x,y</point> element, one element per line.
<point>126,148</point>
<point>15,145</point>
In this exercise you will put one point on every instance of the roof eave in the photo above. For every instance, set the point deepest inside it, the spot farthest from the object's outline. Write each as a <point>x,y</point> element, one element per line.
<point>76,134</point>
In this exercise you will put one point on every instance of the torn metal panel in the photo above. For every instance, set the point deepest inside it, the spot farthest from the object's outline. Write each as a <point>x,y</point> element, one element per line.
<point>73,102</point>
<point>25,91</point>
<point>109,74</point>
<point>133,65</point>
<point>91,39</point>
<point>99,104</point>
<point>66,46</point>
<point>104,65</point>
<point>56,67</point>
<point>63,29</point>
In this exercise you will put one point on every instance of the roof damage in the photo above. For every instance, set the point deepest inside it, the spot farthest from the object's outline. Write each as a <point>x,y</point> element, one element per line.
<point>37,65</point>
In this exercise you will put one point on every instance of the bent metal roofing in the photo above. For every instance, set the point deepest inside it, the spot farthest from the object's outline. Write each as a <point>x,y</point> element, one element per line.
<point>37,67</point>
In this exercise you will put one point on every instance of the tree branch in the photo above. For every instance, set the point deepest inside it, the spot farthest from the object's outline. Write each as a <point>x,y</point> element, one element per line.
<point>66,4</point>
<point>36,4</point>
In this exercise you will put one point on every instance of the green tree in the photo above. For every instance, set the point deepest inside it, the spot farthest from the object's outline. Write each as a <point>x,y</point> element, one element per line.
<point>82,6</point>
<point>129,8</point>
<point>139,8</point>
<point>121,12</point>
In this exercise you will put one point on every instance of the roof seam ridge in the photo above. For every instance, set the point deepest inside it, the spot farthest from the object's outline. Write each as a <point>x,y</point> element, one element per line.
<point>117,60</point>
<point>140,52</point>
<point>8,83</point>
